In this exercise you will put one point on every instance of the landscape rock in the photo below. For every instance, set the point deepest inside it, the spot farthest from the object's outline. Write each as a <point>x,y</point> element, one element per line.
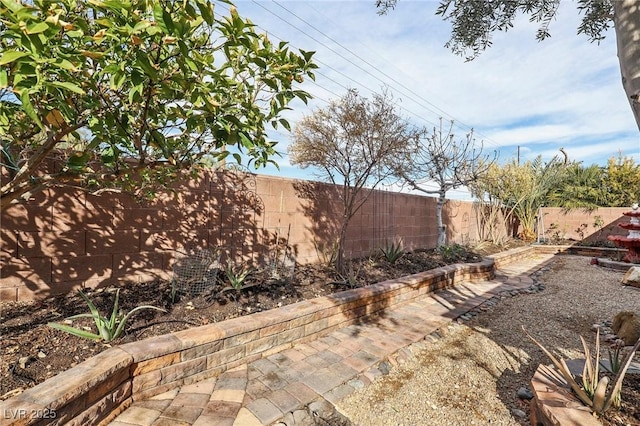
<point>632,277</point>
<point>626,325</point>
<point>524,393</point>
<point>324,413</point>
<point>518,413</point>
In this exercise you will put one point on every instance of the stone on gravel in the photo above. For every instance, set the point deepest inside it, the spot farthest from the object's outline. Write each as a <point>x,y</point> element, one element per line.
<point>626,325</point>
<point>384,367</point>
<point>524,393</point>
<point>518,413</point>
<point>324,413</point>
<point>632,277</point>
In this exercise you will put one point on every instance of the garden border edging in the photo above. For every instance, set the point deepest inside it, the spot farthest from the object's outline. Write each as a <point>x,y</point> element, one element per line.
<point>98,389</point>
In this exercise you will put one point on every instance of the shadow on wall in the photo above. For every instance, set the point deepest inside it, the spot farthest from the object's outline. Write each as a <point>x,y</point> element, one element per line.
<point>66,239</point>
<point>44,251</point>
<point>243,236</point>
<point>459,219</point>
<point>321,216</point>
<point>590,226</point>
<point>453,223</point>
<point>491,224</point>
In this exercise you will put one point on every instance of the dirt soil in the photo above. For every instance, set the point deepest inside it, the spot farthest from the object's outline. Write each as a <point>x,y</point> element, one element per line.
<point>31,351</point>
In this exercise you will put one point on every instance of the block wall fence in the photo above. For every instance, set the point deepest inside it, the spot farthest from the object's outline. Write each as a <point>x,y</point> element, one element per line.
<point>582,225</point>
<point>66,239</point>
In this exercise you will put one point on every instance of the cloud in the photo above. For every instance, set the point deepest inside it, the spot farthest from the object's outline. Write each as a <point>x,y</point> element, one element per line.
<point>564,91</point>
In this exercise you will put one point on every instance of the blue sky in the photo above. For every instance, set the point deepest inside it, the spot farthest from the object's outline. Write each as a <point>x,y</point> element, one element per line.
<point>540,96</point>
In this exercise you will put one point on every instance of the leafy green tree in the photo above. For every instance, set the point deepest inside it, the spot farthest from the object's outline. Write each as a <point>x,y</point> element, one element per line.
<point>474,22</point>
<point>622,181</point>
<point>437,158</point>
<point>355,143</point>
<point>129,94</point>
<point>579,187</point>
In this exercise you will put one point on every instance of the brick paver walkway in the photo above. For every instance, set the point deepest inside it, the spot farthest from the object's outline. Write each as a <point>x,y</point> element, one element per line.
<point>281,386</point>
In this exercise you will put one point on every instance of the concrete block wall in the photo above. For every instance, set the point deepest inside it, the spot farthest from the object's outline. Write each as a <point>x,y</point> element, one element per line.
<point>66,239</point>
<point>570,225</point>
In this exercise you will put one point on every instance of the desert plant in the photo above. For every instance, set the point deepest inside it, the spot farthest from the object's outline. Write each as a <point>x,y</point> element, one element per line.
<point>350,277</point>
<point>237,275</point>
<point>594,392</point>
<point>327,252</point>
<point>392,251</point>
<point>598,223</point>
<point>580,230</point>
<point>108,328</point>
<point>452,252</point>
<point>615,351</point>
<point>282,261</point>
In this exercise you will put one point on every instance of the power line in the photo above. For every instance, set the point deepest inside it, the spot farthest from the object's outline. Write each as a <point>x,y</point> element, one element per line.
<point>422,117</point>
<point>457,122</point>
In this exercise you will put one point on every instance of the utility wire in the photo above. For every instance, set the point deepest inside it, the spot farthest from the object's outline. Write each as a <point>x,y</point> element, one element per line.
<point>437,111</point>
<point>419,116</point>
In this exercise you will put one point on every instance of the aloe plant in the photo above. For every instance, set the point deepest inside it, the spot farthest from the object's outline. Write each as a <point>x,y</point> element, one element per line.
<point>108,328</point>
<point>237,275</point>
<point>594,391</point>
<point>392,251</point>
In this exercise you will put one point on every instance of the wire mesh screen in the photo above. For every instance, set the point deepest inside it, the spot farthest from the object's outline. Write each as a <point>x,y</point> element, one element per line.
<point>282,266</point>
<point>196,272</point>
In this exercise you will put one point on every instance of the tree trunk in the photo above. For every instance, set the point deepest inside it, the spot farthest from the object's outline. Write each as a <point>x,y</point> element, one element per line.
<point>340,268</point>
<point>626,18</point>
<point>442,232</point>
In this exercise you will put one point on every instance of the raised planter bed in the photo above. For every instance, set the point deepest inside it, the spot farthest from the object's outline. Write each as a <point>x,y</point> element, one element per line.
<point>97,390</point>
<point>605,252</point>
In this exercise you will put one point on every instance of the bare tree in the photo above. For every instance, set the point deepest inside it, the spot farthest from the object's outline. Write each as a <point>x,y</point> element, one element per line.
<point>437,158</point>
<point>355,143</point>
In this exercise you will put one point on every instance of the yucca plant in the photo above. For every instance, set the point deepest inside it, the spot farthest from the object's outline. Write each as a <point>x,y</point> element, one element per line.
<point>392,251</point>
<point>108,328</point>
<point>595,392</point>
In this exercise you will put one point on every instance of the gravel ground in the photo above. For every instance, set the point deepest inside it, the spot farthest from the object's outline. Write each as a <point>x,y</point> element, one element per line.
<point>470,376</point>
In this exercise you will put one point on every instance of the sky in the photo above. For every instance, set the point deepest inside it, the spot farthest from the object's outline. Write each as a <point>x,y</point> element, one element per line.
<point>519,95</point>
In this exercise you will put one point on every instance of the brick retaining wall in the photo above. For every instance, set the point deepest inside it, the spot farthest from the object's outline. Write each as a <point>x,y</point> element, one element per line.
<point>98,389</point>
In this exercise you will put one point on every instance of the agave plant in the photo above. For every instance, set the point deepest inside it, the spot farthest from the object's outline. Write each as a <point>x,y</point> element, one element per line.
<point>594,392</point>
<point>108,328</point>
<point>392,251</point>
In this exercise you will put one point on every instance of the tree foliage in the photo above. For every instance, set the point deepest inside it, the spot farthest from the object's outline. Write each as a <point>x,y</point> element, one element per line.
<point>355,143</point>
<point>524,188</point>
<point>127,94</point>
<point>622,181</point>
<point>436,157</point>
<point>492,216</point>
<point>590,187</point>
<point>474,22</point>
<point>579,187</point>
